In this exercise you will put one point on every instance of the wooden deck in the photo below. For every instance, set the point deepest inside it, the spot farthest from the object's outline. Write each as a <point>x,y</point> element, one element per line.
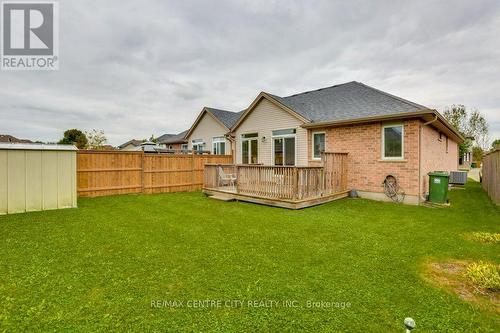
<point>281,186</point>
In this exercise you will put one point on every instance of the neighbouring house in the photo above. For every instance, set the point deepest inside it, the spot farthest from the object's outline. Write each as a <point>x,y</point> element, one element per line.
<point>107,147</point>
<point>467,157</point>
<point>132,145</point>
<point>209,132</point>
<point>174,142</point>
<point>383,135</point>
<point>6,138</point>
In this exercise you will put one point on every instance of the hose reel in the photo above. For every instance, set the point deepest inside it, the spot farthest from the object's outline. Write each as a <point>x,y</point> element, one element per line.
<point>392,189</point>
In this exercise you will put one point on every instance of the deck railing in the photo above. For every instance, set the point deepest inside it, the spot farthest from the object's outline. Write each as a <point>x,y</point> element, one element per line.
<point>280,182</point>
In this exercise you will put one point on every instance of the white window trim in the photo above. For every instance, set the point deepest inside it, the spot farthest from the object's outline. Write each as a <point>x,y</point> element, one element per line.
<point>283,136</point>
<point>215,141</point>
<point>402,142</point>
<point>312,144</point>
<point>249,148</point>
<point>198,142</point>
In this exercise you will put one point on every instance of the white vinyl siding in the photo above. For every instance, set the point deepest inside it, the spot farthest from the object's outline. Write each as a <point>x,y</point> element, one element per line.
<point>206,130</point>
<point>264,119</point>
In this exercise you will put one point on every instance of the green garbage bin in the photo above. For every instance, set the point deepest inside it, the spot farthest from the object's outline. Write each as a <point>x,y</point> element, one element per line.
<point>438,186</point>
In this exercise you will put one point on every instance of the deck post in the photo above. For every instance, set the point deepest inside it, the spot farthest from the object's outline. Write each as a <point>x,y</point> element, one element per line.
<point>295,183</point>
<point>237,179</point>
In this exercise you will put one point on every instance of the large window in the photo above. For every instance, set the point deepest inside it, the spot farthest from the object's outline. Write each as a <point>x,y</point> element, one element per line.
<point>318,144</point>
<point>198,145</point>
<point>284,147</point>
<point>249,148</point>
<point>392,141</point>
<point>219,145</point>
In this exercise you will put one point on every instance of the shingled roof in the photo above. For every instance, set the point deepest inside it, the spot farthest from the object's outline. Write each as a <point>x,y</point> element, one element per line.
<point>228,118</point>
<point>173,138</point>
<point>133,142</point>
<point>348,101</point>
<point>12,139</point>
<point>164,137</point>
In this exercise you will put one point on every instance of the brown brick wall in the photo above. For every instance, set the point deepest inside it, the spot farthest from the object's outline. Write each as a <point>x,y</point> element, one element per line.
<point>435,156</point>
<point>366,169</point>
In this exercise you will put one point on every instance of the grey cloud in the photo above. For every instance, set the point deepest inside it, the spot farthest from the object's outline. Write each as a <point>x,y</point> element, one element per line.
<point>139,68</point>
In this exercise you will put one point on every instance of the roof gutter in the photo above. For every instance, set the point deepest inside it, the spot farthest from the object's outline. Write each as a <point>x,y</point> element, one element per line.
<point>431,121</point>
<point>420,113</point>
<point>368,119</point>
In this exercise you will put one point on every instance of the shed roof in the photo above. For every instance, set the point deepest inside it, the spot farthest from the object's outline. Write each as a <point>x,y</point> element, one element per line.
<point>37,146</point>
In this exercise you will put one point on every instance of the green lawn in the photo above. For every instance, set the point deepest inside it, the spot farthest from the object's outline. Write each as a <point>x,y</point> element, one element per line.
<point>99,267</point>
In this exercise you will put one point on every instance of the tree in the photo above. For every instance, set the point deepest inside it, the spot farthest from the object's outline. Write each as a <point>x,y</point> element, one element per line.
<point>96,139</point>
<point>478,129</point>
<point>496,144</point>
<point>152,139</point>
<point>74,137</point>
<point>456,115</point>
<point>473,127</point>
<point>477,154</point>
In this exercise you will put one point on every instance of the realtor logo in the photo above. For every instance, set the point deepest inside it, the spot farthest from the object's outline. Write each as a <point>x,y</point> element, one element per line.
<point>30,33</point>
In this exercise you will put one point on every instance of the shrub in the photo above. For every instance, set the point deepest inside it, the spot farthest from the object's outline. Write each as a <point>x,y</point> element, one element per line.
<point>486,237</point>
<point>484,275</point>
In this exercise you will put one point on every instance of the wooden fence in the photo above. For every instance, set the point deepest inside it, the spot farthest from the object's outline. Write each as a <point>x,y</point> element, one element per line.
<point>491,175</point>
<point>101,173</point>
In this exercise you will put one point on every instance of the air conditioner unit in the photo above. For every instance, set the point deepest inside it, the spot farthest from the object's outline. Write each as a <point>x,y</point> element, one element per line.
<point>458,177</point>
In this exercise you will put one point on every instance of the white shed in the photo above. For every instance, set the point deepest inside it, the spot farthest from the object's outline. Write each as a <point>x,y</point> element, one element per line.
<point>37,177</point>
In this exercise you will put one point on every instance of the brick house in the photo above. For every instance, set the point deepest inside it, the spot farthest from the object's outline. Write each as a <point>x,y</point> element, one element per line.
<point>382,134</point>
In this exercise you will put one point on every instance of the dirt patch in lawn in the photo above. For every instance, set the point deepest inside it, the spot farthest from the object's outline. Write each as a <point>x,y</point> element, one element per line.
<point>451,277</point>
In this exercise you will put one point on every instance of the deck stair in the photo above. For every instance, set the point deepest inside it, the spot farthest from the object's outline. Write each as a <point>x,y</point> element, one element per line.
<point>222,197</point>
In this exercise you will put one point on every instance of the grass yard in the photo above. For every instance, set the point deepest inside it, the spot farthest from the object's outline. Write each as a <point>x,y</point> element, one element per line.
<point>99,267</point>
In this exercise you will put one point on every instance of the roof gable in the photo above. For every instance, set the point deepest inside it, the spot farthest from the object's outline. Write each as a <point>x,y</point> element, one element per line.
<point>272,99</point>
<point>225,118</point>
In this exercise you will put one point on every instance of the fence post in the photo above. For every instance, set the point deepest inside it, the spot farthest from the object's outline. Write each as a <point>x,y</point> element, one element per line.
<point>142,172</point>
<point>192,170</point>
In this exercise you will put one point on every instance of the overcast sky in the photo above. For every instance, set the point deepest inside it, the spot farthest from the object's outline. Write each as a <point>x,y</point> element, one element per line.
<point>136,68</point>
